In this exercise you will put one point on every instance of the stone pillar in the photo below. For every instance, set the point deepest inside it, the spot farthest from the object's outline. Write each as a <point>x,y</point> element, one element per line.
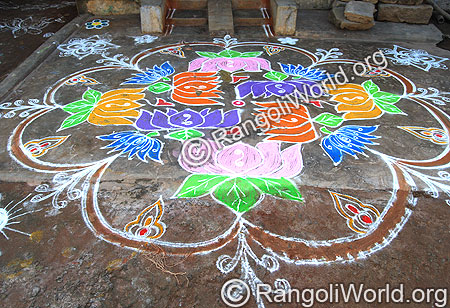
<point>284,15</point>
<point>153,16</point>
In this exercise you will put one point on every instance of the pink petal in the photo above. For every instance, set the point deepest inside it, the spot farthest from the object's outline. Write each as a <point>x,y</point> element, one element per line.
<point>239,158</point>
<point>292,162</point>
<point>208,167</point>
<point>196,64</point>
<point>252,65</point>
<point>210,65</point>
<point>231,65</point>
<point>272,159</point>
<point>264,63</point>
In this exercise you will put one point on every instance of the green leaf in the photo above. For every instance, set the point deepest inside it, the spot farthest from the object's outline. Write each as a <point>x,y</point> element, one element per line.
<point>159,87</point>
<point>208,54</point>
<point>92,96</point>
<point>325,130</point>
<point>276,76</point>
<point>229,53</point>
<point>78,106</point>
<point>329,119</point>
<point>152,134</point>
<point>389,108</point>
<point>251,54</point>
<point>185,134</point>
<point>281,188</point>
<point>238,194</point>
<point>197,185</point>
<point>370,87</point>
<point>75,119</point>
<point>386,97</point>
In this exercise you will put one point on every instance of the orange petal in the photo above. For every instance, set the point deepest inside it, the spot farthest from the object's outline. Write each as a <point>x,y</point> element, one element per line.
<point>374,113</point>
<point>99,120</point>
<point>126,91</point>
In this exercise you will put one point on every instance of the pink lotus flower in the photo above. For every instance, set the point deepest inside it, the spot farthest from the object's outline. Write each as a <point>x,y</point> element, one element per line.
<point>250,64</point>
<point>241,159</point>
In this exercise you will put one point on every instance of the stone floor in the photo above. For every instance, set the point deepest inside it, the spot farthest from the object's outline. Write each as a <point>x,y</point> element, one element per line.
<point>108,200</point>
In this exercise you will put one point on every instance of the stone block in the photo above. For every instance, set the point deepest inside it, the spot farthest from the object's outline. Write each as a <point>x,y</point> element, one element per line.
<point>152,16</point>
<point>314,4</point>
<point>220,17</point>
<point>338,3</point>
<point>359,11</point>
<point>413,14</point>
<point>284,15</point>
<point>337,17</point>
<point>405,2</point>
<point>107,7</point>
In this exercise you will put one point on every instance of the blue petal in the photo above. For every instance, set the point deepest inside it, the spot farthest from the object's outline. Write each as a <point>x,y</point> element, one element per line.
<point>334,153</point>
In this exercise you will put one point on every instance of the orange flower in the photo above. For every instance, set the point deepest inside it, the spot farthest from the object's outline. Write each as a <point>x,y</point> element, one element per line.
<point>116,106</point>
<point>287,123</point>
<point>354,101</point>
<point>196,88</point>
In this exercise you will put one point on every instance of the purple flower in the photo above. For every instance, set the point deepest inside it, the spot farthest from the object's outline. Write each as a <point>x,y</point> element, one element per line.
<point>188,118</point>
<point>229,64</point>
<point>277,88</point>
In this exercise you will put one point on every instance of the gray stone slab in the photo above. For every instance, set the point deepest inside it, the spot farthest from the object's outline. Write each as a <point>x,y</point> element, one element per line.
<point>359,11</point>
<point>405,2</point>
<point>313,24</point>
<point>220,17</point>
<point>414,14</point>
<point>337,17</point>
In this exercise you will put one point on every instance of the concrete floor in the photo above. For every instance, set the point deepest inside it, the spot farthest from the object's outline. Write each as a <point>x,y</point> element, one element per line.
<point>100,230</point>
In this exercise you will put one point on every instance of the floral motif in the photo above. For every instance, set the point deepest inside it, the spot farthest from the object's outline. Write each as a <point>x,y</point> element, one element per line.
<point>360,217</point>
<point>134,144</point>
<point>97,24</point>
<point>277,88</point>
<point>19,26</point>
<point>110,108</point>
<point>147,225</point>
<point>196,88</point>
<point>291,124</point>
<point>83,47</point>
<point>40,147</point>
<point>433,134</point>
<point>152,75</point>
<point>350,140</point>
<point>366,101</point>
<point>230,61</point>
<point>288,40</point>
<point>144,39</point>
<point>187,118</point>
<point>414,57</point>
<point>239,175</point>
<point>304,72</point>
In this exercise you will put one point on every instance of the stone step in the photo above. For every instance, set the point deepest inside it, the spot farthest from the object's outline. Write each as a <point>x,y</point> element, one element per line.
<point>249,18</point>
<point>189,18</point>
<point>220,17</point>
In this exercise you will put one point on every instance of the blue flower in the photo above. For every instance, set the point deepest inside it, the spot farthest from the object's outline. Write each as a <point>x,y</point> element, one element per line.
<point>152,75</point>
<point>134,143</point>
<point>351,139</point>
<point>304,72</point>
<point>97,24</point>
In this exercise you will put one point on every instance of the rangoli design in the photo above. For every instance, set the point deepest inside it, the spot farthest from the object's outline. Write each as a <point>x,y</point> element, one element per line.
<point>163,101</point>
